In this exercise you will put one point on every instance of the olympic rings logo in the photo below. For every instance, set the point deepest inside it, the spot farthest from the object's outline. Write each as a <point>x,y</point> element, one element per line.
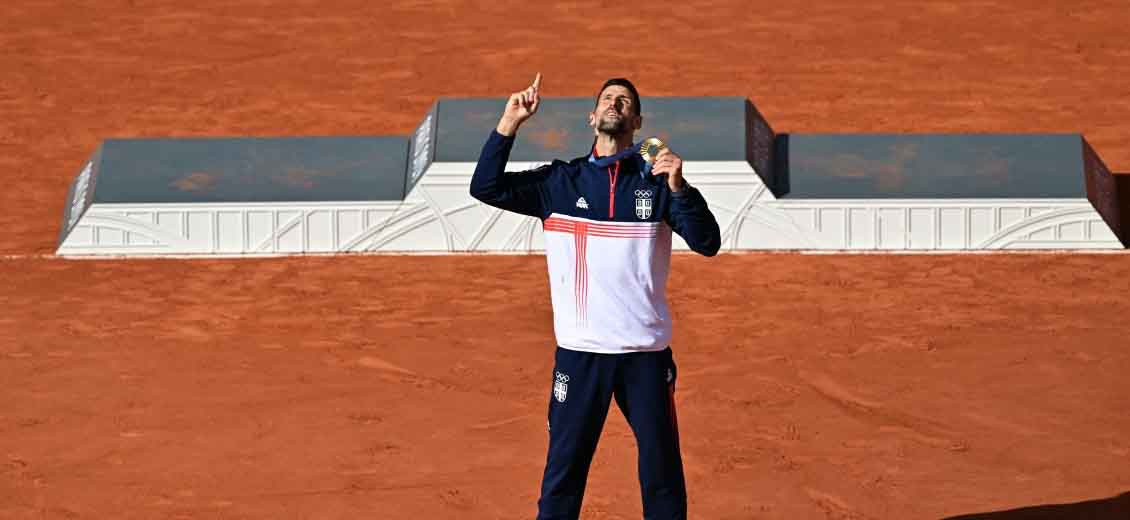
<point>643,194</point>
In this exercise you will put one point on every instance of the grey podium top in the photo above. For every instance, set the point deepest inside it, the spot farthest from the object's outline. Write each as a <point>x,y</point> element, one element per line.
<point>698,128</point>
<point>931,165</point>
<point>254,169</point>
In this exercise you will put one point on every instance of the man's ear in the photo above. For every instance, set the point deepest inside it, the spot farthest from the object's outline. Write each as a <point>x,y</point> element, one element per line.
<point>637,122</point>
<point>592,119</point>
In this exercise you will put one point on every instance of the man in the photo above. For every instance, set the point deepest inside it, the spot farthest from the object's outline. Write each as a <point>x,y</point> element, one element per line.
<point>608,246</point>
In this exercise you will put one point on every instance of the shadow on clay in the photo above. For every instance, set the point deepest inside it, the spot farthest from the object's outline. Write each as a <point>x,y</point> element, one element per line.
<point>1113,508</point>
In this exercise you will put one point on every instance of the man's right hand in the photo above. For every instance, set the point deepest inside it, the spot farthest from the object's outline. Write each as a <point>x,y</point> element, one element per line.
<point>519,108</point>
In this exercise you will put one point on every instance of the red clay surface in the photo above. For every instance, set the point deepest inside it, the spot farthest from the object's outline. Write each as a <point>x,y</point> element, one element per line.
<point>416,387</point>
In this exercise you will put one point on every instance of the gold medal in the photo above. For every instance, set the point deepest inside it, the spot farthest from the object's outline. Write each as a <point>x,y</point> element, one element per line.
<point>650,149</point>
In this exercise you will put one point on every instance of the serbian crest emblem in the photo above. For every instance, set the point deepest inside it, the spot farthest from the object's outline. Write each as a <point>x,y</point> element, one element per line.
<point>643,204</point>
<point>560,386</point>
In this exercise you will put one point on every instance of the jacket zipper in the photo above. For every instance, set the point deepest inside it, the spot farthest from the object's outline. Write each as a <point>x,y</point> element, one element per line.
<point>612,189</point>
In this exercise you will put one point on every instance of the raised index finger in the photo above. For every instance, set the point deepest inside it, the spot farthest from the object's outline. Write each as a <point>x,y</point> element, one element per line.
<point>537,81</point>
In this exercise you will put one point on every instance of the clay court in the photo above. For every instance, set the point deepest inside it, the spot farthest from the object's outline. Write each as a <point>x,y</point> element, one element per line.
<point>810,386</point>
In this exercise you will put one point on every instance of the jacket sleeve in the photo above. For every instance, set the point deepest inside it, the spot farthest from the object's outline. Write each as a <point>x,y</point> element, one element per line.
<point>690,217</point>
<point>520,192</point>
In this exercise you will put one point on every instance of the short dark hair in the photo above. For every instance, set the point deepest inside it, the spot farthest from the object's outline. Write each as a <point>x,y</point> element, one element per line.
<point>623,83</point>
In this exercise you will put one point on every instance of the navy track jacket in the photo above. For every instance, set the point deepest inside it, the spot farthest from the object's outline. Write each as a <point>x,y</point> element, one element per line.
<point>607,242</point>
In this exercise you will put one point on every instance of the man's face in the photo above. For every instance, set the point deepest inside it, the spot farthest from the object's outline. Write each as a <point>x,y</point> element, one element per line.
<point>614,113</point>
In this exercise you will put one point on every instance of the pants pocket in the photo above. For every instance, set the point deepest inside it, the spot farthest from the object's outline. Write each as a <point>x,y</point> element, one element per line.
<point>672,370</point>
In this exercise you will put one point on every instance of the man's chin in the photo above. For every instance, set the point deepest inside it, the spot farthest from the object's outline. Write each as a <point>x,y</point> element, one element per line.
<point>611,128</point>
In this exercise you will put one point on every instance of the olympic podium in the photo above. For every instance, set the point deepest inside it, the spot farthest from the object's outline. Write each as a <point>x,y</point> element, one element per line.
<point>232,196</point>
<point>202,197</point>
<point>931,192</point>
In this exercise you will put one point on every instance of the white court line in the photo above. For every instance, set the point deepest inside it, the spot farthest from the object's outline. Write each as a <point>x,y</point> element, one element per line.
<point>28,256</point>
<point>825,252</point>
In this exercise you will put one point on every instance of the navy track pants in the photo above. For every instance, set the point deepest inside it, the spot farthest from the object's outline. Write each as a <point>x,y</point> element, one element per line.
<point>643,384</point>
